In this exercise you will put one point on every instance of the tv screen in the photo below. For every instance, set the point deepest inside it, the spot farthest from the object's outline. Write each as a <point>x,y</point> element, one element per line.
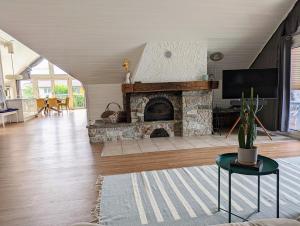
<point>263,81</point>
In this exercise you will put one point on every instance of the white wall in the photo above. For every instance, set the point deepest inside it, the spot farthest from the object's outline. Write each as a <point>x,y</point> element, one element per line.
<point>187,63</point>
<point>98,96</point>
<point>22,56</point>
<point>217,71</point>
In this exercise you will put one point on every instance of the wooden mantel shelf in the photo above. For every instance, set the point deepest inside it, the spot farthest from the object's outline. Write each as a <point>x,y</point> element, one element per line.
<point>169,86</point>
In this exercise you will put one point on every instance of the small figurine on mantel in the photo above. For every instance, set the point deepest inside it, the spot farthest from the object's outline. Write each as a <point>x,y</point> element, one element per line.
<point>128,77</point>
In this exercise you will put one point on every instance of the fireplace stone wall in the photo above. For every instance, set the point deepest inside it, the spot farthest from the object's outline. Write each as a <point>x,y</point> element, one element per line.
<point>192,117</point>
<point>102,132</point>
<point>197,113</point>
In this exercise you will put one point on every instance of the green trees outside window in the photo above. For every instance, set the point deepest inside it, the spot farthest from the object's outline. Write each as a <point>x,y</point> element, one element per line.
<point>27,92</point>
<point>61,91</point>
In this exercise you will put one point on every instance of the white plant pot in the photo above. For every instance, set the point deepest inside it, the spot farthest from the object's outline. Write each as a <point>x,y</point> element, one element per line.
<point>247,156</point>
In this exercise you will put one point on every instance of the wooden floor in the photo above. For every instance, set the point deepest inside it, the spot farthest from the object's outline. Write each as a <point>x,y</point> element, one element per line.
<point>48,169</point>
<point>187,157</point>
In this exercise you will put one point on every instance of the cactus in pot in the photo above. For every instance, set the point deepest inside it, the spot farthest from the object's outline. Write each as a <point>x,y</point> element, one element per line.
<point>247,153</point>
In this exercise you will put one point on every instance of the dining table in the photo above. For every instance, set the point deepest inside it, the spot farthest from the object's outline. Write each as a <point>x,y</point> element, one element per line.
<point>46,108</point>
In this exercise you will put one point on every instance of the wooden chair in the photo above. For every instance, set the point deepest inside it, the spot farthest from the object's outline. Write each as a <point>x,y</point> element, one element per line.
<point>65,104</point>
<point>53,105</point>
<point>41,105</point>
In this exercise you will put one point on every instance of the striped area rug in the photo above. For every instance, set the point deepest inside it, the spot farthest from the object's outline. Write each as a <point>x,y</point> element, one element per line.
<point>188,196</point>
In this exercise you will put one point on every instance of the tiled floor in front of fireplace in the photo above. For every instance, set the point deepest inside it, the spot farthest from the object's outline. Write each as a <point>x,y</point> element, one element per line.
<point>176,143</point>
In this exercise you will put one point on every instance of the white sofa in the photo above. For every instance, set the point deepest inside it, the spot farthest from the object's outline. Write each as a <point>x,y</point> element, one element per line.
<point>266,222</point>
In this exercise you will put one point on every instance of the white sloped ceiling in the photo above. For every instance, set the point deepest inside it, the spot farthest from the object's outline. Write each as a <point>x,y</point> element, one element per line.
<point>22,57</point>
<point>90,38</point>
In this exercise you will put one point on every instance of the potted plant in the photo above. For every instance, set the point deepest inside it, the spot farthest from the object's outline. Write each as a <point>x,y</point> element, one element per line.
<point>247,152</point>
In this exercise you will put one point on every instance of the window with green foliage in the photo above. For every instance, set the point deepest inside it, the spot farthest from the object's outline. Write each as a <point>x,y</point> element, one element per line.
<point>26,89</point>
<point>61,89</point>
<point>78,101</point>
<point>78,94</point>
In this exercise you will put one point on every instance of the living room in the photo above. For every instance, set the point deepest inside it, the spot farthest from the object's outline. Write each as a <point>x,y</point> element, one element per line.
<point>192,113</point>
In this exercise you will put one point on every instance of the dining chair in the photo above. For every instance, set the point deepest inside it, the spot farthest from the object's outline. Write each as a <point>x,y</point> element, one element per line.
<point>65,103</point>
<point>53,105</point>
<point>41,104</point>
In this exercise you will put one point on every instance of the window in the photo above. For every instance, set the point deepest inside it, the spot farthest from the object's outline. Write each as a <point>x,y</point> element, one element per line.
<point>48,80</point>
<point>76,86</point>
<point>41,69</point>
<point>78,94</point>
<point>26,89</point>
<point>294,123</point>
<point>58,71</point>
<point>61,88</point>
<point>44,87</point>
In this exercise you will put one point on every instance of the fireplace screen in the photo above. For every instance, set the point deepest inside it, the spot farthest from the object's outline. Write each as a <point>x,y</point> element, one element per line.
<point>159,109</point>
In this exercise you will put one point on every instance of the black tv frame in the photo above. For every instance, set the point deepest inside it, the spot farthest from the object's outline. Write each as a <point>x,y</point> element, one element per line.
<point>247,97</point>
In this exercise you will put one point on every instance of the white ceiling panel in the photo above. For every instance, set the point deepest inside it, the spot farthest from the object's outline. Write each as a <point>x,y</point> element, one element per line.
<point>90,38</point>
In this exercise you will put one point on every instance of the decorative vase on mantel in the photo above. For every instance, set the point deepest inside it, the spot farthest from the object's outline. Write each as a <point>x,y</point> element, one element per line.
<point>128,78</point>
<point>247,152</point>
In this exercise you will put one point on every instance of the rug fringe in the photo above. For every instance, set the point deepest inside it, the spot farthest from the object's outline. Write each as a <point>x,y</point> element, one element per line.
<point>95,212</point>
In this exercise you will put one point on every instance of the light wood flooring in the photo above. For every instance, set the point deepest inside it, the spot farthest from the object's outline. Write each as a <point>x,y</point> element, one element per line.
<point>48,171</point>
<point>48,168</point>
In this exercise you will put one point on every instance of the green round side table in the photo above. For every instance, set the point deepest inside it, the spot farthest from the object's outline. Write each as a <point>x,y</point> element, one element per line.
<point>270,166</point>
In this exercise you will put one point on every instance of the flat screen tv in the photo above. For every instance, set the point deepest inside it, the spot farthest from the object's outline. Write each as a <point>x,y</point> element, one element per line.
<point>263,81</point>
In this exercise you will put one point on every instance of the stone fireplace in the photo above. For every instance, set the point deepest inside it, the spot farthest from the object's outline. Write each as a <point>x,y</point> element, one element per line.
<point>161,110</point>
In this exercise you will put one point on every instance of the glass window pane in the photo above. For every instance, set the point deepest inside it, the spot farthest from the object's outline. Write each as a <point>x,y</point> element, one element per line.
<point>41,69</point>
<point>44,88</point>
<point>26,89</point>
<point>58,71</point>
<point>61,89</point>
<point>294,120</point>
<point>78,94</point>
<point>76,86</point>
<point>76,83</point>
